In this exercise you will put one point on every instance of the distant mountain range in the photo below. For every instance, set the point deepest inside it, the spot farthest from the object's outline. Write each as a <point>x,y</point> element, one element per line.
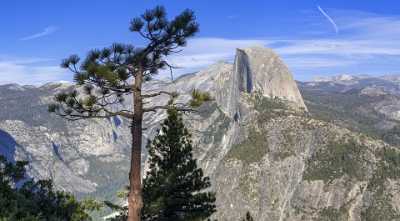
<point>320,150</point>
<point>354,77</point>
<point>366,104</point>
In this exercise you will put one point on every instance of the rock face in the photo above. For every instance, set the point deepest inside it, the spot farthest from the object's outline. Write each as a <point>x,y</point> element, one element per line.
<point>255,69</point>
<point>293,167</point>
<point>74,154</point>
<point>260,69</point>
<point>264,154</point>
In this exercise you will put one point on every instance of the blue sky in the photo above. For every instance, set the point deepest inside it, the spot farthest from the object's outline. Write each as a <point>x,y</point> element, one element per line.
<point>314,37</point>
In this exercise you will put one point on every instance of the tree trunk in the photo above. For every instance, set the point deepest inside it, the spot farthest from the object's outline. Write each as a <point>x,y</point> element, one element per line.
<point>135,201</point>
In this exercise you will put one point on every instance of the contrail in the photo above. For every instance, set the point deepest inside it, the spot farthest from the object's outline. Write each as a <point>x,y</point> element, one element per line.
<point>329,19</point>
<point>47,31</point>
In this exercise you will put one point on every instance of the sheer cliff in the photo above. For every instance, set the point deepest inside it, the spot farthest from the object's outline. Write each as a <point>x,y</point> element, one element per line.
<point>263,150</point>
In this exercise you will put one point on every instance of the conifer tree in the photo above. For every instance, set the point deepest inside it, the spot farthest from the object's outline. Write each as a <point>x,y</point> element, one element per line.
<point>22,198</point>
<point>110,74</point>
<point>175,189</point>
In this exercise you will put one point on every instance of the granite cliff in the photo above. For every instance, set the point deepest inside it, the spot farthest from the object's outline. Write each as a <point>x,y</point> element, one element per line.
<point>263,150</point>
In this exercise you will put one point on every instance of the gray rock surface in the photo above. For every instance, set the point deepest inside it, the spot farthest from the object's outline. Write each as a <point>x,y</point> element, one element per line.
<point>260,69</point>
<point>264,154</point>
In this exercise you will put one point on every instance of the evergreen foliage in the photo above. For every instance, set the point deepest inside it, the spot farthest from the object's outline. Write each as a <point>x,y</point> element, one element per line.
<point>106,75</point>
<point>337,160</point>
<point>109,75</point>
<point>25,199</point>
<point>174,189</point>
<point>199,97</point>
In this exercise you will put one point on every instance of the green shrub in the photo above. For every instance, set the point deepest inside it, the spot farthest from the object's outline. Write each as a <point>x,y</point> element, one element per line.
<point>332,214</point>
<point>253,149</point>
<point>199,97</point>
<point>335,161</point>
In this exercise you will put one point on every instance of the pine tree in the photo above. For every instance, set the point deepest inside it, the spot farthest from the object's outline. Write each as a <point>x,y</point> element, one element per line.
<point>109,74</point>
<point>175,189</point>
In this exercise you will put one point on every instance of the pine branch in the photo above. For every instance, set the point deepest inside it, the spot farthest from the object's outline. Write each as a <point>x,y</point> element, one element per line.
<point>166,107</point>
<point>93,115</point>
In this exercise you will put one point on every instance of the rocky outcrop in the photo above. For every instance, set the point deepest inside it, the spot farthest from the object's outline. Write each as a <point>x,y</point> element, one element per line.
<point>79,147</point>
<point>260,69</point>
<point>74,155</point>
<point>292,167</point>
<point>255,69</point>
<point>264,154</point>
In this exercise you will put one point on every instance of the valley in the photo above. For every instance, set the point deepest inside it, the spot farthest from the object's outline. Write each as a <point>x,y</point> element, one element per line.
<point>281,149</point>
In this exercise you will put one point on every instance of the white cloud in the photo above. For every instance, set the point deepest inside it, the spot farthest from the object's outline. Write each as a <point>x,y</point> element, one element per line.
<point>366,41</point>
<point>339,47</point>
<point>30,71</point>
<point>23,60</point>
<point>312,62</point>
<point>219,45</point>
<point>368,25</point>
<point>202,52</point>
<point>47,31</point>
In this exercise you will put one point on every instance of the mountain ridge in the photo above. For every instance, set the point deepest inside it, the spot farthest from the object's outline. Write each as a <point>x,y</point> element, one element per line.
<point>263,153</point>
